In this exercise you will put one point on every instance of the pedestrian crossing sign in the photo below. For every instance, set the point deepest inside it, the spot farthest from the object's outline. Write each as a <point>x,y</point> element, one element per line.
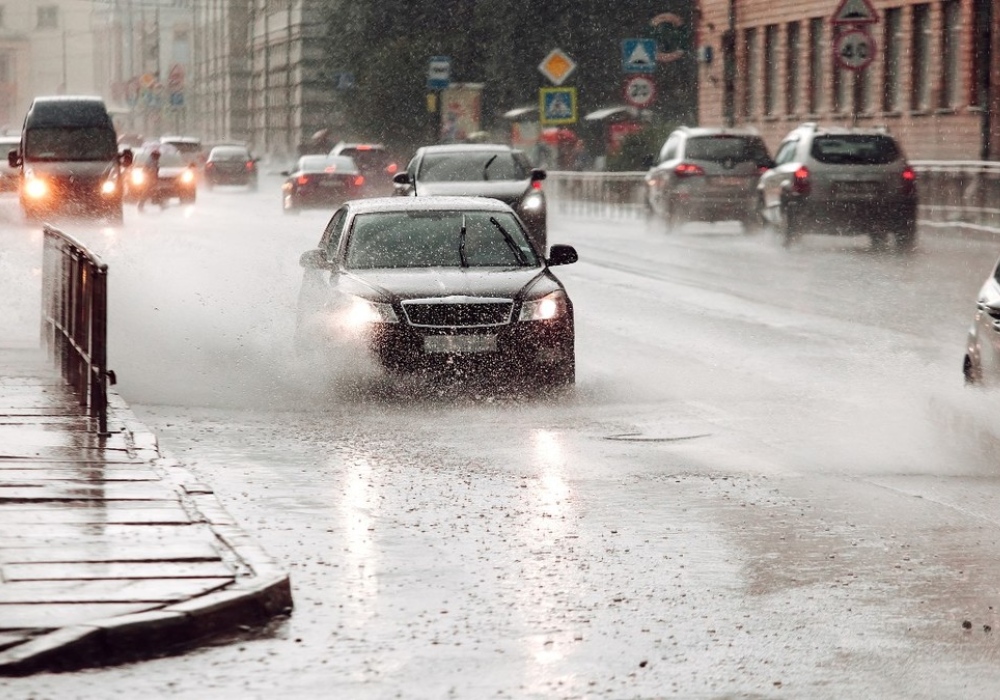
<point>557,105</point>
<point>639,55</point>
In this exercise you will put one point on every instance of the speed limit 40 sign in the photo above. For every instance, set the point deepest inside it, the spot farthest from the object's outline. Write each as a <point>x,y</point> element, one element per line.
<point>854,49</point>
<point>640,91</point>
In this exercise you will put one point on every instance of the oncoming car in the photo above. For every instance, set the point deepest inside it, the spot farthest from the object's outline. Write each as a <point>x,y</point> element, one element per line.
<point>981,365</point>
<point>176,176</point>
<point>427,282</point>
<point>480,170</point>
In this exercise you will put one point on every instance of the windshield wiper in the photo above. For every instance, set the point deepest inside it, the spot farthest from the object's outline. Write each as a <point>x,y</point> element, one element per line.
<point>488,164</point>
<point>461,245</point>
<point>518,253</point>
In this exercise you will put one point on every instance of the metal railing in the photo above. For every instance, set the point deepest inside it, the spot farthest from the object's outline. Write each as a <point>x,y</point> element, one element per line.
<point>75,320</point>
<point>962,194</point>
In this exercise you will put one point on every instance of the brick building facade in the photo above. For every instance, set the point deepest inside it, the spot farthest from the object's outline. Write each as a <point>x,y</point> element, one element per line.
<point>933,77</point>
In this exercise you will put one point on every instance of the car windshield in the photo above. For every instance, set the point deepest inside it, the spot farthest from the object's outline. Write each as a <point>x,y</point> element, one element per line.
<point>471,166</point>
<point>721,149</point>
<point>369,160</point>
<point>855,149</point>
<point>190,148</point>
<point>169,158</point>
<point>71,143</point>
<point>435,239</point>
<point>230,154</point>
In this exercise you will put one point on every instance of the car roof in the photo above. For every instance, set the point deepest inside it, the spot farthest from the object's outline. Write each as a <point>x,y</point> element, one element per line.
<point>180,139</point>
<point>719,130</point>
<point>466,148</point>
<point>363,145</point>
<point>836,129</point>
<point>391,204</point>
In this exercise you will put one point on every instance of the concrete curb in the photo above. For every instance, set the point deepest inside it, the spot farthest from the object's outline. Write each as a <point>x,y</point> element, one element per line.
<point>261,592</point>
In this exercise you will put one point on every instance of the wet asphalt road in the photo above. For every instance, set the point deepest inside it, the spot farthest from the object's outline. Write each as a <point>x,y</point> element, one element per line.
<point>769,481</point>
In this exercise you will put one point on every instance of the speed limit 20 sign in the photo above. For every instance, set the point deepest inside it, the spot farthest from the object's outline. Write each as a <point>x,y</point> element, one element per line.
<point>854,49</point>
<point>640,91</point>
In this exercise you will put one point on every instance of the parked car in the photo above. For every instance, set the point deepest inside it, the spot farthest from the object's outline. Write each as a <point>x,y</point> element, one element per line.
<point>230,165</point>
<point>324,181</point>
<point>708,174</point>
<point>9,176</point>
<point>981,365</point>
<point>375,163</point>
<point>176,178</point>
<point>429,281</point>
<point>480,170</point>
<point>841,181</point>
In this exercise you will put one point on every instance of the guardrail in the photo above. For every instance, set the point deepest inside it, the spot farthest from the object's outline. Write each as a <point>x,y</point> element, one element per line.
<point>75,320</point>
<point>964,194</point>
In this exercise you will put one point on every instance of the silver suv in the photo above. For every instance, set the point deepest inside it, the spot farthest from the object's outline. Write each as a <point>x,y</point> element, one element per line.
<point>841,181</point>
<point>708,174</point>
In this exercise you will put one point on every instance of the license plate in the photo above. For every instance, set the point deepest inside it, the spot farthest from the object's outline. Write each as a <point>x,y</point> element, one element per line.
<point>329,183</point>
<point>727,181</point>
<point>460,344</point>
<point>856,188</point>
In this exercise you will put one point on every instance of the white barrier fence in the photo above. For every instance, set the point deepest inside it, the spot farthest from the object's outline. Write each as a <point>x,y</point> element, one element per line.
<point>961,194</point>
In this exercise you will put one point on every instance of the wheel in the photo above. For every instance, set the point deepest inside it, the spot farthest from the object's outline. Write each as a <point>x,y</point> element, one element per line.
<point>906,237</point>
<point>753,221</point>
<point>675,215</point>
<point>791,225</point>
<point>972,375</point>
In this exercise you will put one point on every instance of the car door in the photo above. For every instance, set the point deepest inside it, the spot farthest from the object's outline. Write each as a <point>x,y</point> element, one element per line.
<point>659,178</point>
<point>773,181</point>
<point>315,294</point>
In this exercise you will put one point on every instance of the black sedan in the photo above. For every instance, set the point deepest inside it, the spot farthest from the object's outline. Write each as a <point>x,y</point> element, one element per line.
<point>480,170</point>
<point>230,165</point>
<point>321,181</point>
<point>434,281</point>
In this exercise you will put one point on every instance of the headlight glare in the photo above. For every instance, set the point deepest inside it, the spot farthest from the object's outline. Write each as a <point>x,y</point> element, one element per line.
<point>108,187</point>
<point>138,177</point>
<point>36,188</point>
<point>545,309</point>
<point>361,312</point>
<point>187,177</point>
<point>533,202</point>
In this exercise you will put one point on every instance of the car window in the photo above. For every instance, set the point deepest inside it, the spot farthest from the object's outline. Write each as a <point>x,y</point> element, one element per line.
<point>230,154</point>
<point>471,166</point>
<point>854,149</point>
<point>786,152</point>
<point>669,150</point>
<point>311,163</point>
<point>70,143</point>
<point>434,239</point>
<point>331,234</point>
<point>725,148</point>
<point>369,159</point>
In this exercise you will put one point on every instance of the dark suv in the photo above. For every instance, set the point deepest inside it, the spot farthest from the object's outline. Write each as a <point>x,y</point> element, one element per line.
<point>230,165</point>
<point>708,174</point>
<point>841,181</point>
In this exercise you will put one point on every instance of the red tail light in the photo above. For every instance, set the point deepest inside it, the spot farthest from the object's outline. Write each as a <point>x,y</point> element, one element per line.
<point>800,181</point>
<point>249,165</point>
<point>359,180</point>
<point>909,180</point>
<point>536,184</point>
<point>391,168</point>
<point>302,179</point>
<point>688,170</point>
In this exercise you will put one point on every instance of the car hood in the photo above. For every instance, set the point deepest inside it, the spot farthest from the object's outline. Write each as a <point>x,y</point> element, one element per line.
<point>443,282</point>
<point>505,190</point>
<point>84,169</point>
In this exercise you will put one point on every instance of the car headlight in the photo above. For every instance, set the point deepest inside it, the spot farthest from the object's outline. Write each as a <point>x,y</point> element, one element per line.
<point>138,177</point>
<point>533,202</point>
<point>545,309</point>
<point>35,187</point>
<point>361,312</point>
<point>187,177</point>
<point>108,187</point>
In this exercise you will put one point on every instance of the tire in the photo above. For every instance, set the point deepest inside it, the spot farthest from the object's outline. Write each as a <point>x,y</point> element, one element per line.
<point>972,376</point>
<point>753,221</point>
<point>791,225</point>
<point>675,216</point>
<point>906,237</point>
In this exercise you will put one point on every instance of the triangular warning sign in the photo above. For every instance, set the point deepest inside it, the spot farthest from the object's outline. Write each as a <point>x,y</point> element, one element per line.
<point>639,56</point>
<point>855,12</point>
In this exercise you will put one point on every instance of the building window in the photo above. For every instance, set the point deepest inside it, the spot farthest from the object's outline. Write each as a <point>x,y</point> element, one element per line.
<point>951,40</point>
<point>752,73</point>
<point>892,66</point>
<point>979,82</point>
<point>920,57</point>
<point>817,50</point>
<point>792,68</point>
<point>770,69</point>
<point>48,17</point>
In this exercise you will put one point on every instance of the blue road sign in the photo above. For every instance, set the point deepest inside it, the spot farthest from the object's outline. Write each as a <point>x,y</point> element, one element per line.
<point>557,105</point>
<point>639,55</point>
<point>439,73</point>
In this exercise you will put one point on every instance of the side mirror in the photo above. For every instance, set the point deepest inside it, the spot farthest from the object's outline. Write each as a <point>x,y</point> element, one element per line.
<point>126,157</point>
<point>13,159</point>
<point>560,254</point>
<point>538,174</point>
<point>285,173</point>
<point>766,163</point>
<point>402,178</point>
<point>314,260</point>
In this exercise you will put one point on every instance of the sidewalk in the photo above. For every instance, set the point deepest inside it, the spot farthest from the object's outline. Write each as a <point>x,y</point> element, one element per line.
<point>108,551</point>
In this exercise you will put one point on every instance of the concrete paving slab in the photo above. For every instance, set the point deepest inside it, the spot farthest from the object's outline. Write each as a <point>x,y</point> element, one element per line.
<point>108,551</point>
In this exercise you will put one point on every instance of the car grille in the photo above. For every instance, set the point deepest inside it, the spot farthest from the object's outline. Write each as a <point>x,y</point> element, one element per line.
<point>458,312</point>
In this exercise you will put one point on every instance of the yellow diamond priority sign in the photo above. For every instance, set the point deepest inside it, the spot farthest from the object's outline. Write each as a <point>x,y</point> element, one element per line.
<point>557,66</point>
